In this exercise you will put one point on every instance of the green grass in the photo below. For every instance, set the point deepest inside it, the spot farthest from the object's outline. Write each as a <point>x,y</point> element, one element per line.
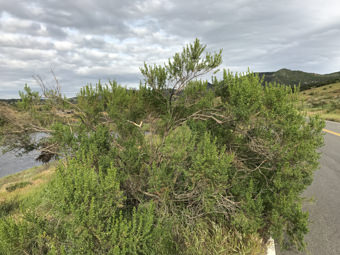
<point>17,187</point>
<point>324,101</point>
<point>24,190</point>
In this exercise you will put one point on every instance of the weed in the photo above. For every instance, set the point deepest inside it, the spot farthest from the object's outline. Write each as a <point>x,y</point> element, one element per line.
<point>6,207</point>
<point>17,185</point>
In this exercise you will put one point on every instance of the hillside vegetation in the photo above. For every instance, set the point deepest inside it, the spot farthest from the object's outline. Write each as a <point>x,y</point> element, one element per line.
<point>324,101</point>
<point>23,186</point>
<point>170,168</point>
<point>305,80</point>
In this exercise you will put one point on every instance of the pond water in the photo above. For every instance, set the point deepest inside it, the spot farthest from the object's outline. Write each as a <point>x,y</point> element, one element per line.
<point>11,164</point>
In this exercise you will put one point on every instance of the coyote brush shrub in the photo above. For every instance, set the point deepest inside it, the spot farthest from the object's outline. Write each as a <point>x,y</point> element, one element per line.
<point>175,167</point>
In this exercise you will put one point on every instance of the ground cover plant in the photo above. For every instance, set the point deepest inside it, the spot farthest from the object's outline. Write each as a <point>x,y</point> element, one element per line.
<point>175,167</point>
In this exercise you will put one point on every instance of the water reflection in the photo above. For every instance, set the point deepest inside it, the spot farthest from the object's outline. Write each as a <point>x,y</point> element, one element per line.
<point>10,164</point>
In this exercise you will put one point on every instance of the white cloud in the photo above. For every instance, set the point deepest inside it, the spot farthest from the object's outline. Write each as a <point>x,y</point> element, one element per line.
<point>87,40</point>
<point>64,45</point>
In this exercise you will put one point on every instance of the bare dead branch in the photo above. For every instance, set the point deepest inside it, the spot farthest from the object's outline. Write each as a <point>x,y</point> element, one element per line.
<point>134,123</point>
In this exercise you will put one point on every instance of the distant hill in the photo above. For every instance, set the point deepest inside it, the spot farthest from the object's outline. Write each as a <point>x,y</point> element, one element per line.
<point>306,80</point>
<point>324,101</point>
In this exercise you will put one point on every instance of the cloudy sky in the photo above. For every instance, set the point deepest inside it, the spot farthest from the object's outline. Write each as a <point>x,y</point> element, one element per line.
<point>86,40</point>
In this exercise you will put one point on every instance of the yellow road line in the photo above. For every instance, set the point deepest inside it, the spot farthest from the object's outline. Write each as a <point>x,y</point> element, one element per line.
<point>331,132</point>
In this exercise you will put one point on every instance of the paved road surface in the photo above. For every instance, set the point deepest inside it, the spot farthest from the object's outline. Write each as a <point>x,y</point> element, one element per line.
<point>324,213</point>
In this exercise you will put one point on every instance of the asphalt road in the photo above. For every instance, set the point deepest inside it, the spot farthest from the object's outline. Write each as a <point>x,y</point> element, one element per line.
<point>324,213</point>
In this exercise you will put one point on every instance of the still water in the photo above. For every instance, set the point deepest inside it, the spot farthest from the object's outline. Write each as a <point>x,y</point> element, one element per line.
<point>10,164</point>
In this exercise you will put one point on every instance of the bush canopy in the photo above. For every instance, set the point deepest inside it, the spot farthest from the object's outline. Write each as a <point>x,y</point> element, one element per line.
<point>178,166</point>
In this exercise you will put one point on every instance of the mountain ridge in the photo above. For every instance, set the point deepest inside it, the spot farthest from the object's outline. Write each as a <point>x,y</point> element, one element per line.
<point>296,77</point>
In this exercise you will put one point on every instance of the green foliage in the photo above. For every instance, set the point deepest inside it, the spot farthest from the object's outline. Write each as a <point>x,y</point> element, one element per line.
<point>17,185</point>
<point>194,171</point>
<point>334,105</point>
<point>89,217</point>
<point>7,207</point>
<point>93,203</point>
<point>2,121</point>
<point>112,99</point>
<point>175,167</point>
<point>28,98</point>
<point>274,168</point>
<point>168,81</point>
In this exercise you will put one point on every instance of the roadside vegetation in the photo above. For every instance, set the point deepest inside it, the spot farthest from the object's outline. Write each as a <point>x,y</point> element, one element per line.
<point>324,101</point>
<point>175,167</point>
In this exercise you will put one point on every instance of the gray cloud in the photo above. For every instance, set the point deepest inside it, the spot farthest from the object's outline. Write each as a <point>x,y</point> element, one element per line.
<point>87,40</point>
